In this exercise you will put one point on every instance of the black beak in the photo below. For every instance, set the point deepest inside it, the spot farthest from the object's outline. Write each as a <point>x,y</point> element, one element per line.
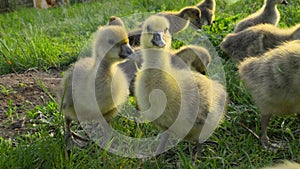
<point>200,23</point>
<point>285,2</point>
<point>196,23</point>
<point>158,40</point>
<point>126,51</point>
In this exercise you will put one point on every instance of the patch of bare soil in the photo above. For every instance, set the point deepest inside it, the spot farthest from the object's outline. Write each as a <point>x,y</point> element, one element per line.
<point>20,93</point>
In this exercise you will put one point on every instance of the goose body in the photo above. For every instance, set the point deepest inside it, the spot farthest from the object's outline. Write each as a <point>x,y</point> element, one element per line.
<point>177,85</point>
<point>257,40</point>
<point>274,82</point>
<point>97,77</point>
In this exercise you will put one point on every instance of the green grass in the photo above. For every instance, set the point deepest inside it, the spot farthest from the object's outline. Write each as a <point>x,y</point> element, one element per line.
<point>55,38</point>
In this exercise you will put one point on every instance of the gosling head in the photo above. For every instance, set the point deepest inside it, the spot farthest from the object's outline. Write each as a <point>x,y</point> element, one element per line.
<point>275,2</point>
<point>193,14</point>
<point>156,33</point>
<point>112,42</point>
<point>114,20</point>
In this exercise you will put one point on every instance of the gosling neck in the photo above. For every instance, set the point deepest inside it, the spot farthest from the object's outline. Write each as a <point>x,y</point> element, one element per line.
<point>269,7</point>
<point>156,58</point>
<point>209,3</point>
<point>104,64</point>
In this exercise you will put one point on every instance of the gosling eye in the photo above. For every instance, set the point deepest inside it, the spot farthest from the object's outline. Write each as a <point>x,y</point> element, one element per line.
<point>165,31</point>
<point>148,28</point>
<point>111,41</point>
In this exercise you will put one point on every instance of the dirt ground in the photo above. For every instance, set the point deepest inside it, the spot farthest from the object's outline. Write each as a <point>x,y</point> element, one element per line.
<point>20,93</point>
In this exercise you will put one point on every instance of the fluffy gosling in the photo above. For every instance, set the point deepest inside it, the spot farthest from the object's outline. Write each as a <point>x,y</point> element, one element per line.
<point>257,40</point>
<point>110,47</point>
<point>194,56</point>
<point>274,83</point>
<point>267,14</point>
<point>180,20</point>
<point>178,89</point>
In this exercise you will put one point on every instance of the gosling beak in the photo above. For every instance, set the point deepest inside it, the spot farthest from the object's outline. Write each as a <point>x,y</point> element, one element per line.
<point>285,2</point>
<point>196,23</point>
<point>199,23</point>
<point>126,51</point>
<point>158,40</point>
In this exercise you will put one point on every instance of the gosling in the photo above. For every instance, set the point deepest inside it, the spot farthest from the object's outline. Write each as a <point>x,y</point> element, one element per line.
<point>193,56</point>
<point>207,8</point>
<point>257,40</point>
<point>197,119</point>
<point>178,22</point>
<point>273,81</point>
<point>267,14</point>
<point>97,72</point>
